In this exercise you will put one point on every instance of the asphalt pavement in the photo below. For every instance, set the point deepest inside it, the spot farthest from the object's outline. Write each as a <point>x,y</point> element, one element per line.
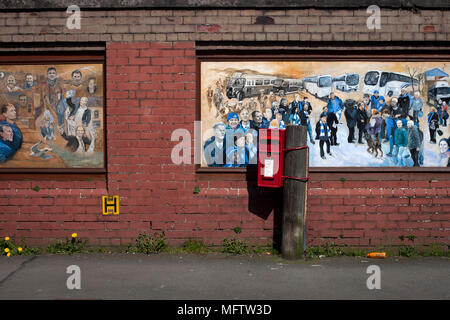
<point>220,276</point>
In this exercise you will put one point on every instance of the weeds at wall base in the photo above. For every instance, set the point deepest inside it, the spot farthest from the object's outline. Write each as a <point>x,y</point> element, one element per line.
<point>157,243</point>
<point>403,250</point>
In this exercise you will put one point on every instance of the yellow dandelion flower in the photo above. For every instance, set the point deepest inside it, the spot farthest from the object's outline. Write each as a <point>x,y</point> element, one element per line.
<point>6,238</point>
<point>74,235</point>
<point>19,249</point>
<point>9,254</point>
<point>6,250</point>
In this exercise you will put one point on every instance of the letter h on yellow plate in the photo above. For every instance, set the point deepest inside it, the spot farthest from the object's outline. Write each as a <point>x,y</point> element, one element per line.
<point>110,205</point>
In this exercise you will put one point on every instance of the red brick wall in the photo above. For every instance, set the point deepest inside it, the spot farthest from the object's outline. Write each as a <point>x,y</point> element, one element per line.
<point>374,212</point>
<point>151,83</point>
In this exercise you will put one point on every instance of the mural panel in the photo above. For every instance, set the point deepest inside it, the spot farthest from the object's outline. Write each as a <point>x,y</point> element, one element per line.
<point>358,113</point>
<point>51,116</point>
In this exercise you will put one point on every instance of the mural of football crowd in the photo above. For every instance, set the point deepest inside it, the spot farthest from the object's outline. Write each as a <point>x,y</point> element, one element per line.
<point>51,116</point>
<point>357,114</point>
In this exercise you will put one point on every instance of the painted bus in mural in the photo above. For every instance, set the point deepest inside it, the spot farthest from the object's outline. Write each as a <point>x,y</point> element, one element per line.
<point>347,82</point>
<point>286,86</point>
<point>387,83</point>
<point>243,85</point>
<point>318,86</point>
<point>439,90</point>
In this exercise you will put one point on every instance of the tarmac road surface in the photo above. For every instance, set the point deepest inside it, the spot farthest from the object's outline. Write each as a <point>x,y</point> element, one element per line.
<point>220,276</point>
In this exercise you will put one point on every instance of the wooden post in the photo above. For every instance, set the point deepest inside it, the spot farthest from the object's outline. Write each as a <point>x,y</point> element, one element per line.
<point>296,164</point>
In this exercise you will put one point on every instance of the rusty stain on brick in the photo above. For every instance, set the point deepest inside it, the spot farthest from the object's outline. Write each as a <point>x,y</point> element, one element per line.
<point>264,20</point>
<point>428,29</point>
<point>208,28</point>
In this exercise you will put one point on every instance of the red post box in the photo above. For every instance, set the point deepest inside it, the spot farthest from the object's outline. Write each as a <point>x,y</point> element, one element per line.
<point>271,160</point>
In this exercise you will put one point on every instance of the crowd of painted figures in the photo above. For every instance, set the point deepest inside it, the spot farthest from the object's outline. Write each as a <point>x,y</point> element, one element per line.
<point>51,106</point>
<point>372,120</point>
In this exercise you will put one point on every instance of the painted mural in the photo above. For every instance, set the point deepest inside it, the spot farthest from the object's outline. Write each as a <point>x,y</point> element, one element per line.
<point>358,114</point>
<point>51,116</point>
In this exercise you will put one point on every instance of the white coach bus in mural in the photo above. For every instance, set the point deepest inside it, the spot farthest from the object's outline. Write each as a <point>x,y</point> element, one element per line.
<point>319,86</point>
<point>347,82</point>
<point>242,85</point>
<point>387,83</point>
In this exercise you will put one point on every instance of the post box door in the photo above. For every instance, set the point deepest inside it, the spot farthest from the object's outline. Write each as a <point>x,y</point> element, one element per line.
<point>270,164</point>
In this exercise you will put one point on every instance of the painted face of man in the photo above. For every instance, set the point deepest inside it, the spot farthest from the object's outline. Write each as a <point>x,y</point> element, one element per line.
<point>258,117</point>
<point>11,81</point>
<point>332,95</point>
<point>443,146</point>
<point>29,79</point>
<point>219,132</point>
<point>7,133</point>
<point>23,101</point>
<point>51,74</point>
<point>10,113</point>
<point>233,123</point>
<point>323,119</point>
<point>83,102</point>
<point>268,114</point>
<point>245,116</point>
<point>76,77</point>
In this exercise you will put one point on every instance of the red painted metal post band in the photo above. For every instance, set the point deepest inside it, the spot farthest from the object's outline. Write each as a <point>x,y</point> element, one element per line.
<point>299,148</point>
<point>294,178</point>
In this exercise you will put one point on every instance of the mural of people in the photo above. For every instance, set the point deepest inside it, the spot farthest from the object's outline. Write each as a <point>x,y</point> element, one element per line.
<point>9,113</point>
<point>433,124</point>
<point>214,148</point>
<point>210,96</point>
<point>49,112</point>
<point>79,142</point>
<point>7,150</point>
<point>444,156</point>
<point>414,142</point>
<point>29,81</point>
<point>257,120</point>
<point>323,134</point>
<point>47,126</point>
<point>91,89</point>
<point>361,134</point>
<point>11,84</point>
<point>52,88</point>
